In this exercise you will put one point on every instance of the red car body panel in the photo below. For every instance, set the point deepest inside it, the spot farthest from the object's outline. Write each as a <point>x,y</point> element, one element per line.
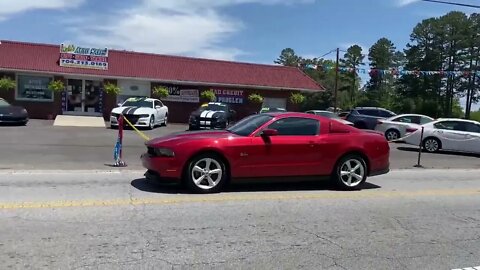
<point>277,156</point>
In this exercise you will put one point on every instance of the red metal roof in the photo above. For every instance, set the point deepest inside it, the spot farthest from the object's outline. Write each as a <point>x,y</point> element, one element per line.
<point>163,68</point>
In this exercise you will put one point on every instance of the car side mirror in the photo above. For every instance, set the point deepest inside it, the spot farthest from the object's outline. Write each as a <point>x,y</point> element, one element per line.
<point>269,132</point>
<point>158,107</point>
<point>119,104</point>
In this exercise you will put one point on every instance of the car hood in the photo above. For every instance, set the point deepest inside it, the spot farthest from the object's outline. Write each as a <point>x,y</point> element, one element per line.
<point>132,110</point>
<point>207,113</point>
<point>14,110</point>
<point>186,136</point>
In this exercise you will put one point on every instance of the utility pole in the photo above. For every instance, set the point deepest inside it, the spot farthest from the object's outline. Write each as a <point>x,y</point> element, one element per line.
<point>336,82</point>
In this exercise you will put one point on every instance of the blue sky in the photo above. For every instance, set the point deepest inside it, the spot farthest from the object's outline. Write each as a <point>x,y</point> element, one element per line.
<point>242,30</point>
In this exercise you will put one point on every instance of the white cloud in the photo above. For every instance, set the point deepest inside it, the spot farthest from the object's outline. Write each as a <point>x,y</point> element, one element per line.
<point>9,8</point>
<point>402,3</point>
<point>182,27</point>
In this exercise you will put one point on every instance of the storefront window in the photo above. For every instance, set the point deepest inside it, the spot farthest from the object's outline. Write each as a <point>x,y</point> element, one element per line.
<point>34,88</point>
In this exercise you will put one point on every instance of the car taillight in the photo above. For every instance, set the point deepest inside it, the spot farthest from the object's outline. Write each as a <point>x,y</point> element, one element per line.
<point>410,130</point>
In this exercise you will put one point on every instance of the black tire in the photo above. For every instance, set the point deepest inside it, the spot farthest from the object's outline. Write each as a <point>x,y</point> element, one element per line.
<point>165,122</point>
<point>392,134</point>
<point>431,145</point>
<point>199,161</point>
<point>152,120</point>
<point>190,127</point>
<point>342,183</point>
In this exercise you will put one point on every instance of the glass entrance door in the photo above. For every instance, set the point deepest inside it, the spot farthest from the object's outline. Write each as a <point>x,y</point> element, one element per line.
<point>84,97</point>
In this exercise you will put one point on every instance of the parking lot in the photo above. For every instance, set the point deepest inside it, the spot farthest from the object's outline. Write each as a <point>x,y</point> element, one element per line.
<point>40,145</point>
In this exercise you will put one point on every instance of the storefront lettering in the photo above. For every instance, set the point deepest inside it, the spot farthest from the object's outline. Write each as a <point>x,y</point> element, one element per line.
<point>229,96</point>
<point>83,57</point>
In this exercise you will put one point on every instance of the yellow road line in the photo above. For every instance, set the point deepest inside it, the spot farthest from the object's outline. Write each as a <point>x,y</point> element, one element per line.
<point>239,197</point>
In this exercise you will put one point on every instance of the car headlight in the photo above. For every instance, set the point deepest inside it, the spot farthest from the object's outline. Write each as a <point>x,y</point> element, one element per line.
<point>164,152</point>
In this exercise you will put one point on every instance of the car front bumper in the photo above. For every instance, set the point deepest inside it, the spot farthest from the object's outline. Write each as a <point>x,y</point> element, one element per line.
<point>162,168</point>
<point>137,122</point>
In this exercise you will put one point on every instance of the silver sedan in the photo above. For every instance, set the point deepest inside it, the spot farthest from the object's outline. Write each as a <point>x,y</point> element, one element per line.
<point>399,126</point>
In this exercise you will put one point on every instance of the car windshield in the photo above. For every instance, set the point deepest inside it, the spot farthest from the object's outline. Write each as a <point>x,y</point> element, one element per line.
<point>213,107</point>
<point>249,124</point>
<point>138,103</point>
<point>3,103</point>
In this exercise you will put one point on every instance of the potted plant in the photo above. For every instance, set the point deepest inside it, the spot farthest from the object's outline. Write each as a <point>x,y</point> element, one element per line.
<point>7,84</point>
<point>207,96</point>
<point>56,86</point>
<point>160,91</point>
<point>256,100</point>
<point>111,88</point>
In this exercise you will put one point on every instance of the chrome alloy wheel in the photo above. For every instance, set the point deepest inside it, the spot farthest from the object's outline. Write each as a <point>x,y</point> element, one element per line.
<point>431,145</point>
<point>392,135</point>
<point>352,172</point>
<point>206,173</point>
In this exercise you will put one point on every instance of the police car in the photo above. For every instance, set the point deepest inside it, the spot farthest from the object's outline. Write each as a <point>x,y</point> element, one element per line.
<point>212,115</point>
<point>141,112</point>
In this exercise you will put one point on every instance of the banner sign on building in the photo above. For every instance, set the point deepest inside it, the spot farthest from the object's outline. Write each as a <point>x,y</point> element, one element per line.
<point>229,96</point>
<point>176,94</point>
<point>83,57</point>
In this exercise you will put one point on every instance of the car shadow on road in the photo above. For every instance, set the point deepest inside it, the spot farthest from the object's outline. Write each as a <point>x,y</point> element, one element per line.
<point>143,184</point>
<point>415,149</point>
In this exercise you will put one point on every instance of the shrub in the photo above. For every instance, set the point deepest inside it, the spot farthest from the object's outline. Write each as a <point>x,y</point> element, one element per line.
<point>297,98</point>
<point>111,88</point>
<point>160,91</point>
<point>208,95</point>
<point>56,86</point>
<point>7,84</point>
<point>255,98</point>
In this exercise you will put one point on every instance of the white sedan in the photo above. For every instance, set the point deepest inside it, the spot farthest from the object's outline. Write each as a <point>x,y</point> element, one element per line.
<point>457,135</point>
<point>141,112</point>
<point>399,126</point>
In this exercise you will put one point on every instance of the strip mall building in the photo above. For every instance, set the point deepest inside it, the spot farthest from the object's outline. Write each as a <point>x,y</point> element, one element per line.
<point>85,70</point>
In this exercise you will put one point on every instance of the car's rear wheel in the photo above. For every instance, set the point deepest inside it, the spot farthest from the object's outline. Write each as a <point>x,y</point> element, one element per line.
<point>350,172</point>
<point>165,120</point>
<point>431,145</point>
<point>206,173</point>
<point>392,135</point>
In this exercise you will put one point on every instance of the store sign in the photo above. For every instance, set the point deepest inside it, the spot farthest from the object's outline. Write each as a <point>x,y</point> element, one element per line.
<point>83,57</point>
<point>176,94</point>
<point>229,96</point>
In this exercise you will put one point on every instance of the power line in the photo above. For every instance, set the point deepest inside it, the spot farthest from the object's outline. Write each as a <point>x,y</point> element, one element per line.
<point>452,3</point>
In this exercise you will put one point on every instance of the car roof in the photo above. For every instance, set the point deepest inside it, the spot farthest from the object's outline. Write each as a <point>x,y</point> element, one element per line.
<point>456,119</point>
<point>411,114</point>
<point>319,111</point>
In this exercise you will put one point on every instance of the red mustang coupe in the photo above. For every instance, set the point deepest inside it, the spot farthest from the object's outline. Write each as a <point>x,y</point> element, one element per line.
<point>274,146</point>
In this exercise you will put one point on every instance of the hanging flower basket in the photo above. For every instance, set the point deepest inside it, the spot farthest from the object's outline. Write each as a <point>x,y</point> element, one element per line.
<point>56,86</point>
<point>160,91</point>
<point>7,84</point>
<point>208,96</point>
<point>111,88</point>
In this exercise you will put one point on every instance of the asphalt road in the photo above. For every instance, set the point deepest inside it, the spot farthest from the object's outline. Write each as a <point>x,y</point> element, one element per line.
<point>42,146</point>
<point>407,219</point>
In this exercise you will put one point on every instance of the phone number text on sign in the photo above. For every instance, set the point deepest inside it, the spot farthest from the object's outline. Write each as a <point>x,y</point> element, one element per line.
<point>83,64</point>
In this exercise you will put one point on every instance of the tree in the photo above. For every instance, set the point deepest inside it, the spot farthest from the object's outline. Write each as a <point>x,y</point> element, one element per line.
<point>380,87</point>
<point>288,57</point>
<point>353,58</point>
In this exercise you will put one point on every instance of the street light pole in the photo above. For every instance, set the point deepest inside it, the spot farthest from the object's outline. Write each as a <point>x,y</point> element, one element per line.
<point>336,82</point>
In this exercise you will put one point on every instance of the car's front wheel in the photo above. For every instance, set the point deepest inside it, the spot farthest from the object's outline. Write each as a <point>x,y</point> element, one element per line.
<point>431,145</point>
<point>206,173</point>
<point>151,125</point>
<point>350,172</point>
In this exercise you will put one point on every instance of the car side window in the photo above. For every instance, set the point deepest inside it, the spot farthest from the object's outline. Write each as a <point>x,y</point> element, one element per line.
<point>369,112</point>
<point>449,125</point>
<point>470,127</point>
<point>158,103</point>
<point>404,119</point>
<point>425,120</point>
<point>296,126</point>
<point>385,114</point>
